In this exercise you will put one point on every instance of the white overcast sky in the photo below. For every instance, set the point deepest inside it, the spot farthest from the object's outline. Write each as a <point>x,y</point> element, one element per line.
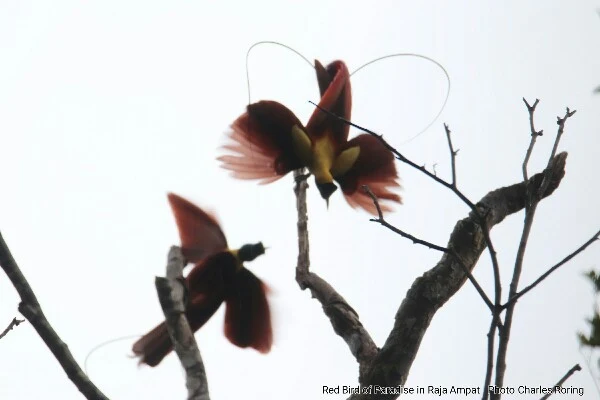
<point>106,106</point>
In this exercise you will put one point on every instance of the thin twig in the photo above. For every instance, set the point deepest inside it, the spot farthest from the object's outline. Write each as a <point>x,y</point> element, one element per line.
<point>32,310</point>
<point>453,154</point>
<point>491,335</point>
<point>496,321</point>
<point>171,292</point>
<point>551,270</point>
<point>561,128</point>
<point>381,220</point>
<point>562,380</point>
<point>532,201</point>
<point>505,333</point>
<point>534,135</point>
<point>13,323</point>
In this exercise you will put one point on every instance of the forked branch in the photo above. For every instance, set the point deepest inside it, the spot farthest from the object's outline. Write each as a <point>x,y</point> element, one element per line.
<point>534,195</point>
<point>431,291</point>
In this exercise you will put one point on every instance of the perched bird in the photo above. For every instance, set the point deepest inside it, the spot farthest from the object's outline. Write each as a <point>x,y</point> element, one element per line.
<point>218,276</point>
<point>268,141</point>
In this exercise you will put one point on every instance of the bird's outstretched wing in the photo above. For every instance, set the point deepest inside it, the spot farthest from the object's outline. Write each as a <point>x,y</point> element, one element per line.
<point>207,284</point>
<point>261,143</point>
<point>247,316</point>
<point>200,233</point>
<point>374,167</point>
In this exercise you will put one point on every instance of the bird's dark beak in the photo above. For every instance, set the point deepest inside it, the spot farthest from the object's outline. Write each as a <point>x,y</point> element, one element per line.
<point>326,189</point>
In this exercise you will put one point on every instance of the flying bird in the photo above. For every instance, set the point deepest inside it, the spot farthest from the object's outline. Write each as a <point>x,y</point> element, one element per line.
<point>218,276</point>
<point>268,141</point>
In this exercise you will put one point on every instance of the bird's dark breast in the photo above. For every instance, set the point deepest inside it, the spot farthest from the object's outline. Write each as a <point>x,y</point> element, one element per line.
<point>214,272</point>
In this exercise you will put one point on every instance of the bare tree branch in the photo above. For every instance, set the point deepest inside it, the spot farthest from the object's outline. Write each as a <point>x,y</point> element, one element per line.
<point>489,365</point>
<point>390,367</point>
<point>533,197</point>
<point>495,308</point>
<point>534,135</point>
<point>562,380</point>
<point>13,323</point>
<point>343,317</point>
<point>453,154</point>
<point>431,291</point>
<point>171,292</point>
<point>381,220</point>
<point>31,309</point>
<point>551,270</point>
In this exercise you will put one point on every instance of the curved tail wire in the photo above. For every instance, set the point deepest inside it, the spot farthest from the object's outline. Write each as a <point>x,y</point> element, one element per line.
<point>101,345</point>
<point>416,55</point>
<point>272,43</point>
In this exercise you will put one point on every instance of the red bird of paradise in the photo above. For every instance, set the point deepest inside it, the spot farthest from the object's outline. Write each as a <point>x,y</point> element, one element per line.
<point>269,141</point>
<point>218,276</point>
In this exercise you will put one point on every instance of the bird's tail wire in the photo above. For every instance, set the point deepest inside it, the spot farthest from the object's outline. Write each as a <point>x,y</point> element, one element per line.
<point>426,58</point>
<point>101,345</point>
<point>269,43</point>
<point>394,55</point>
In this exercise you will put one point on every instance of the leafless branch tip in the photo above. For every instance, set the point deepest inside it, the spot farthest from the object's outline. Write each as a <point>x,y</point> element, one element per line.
<point>14,323</point>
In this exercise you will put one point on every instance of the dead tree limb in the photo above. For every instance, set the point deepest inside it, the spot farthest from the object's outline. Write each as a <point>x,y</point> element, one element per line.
<point>391,365</point>
<point>31,309</point>
<point>343,317</point>
<point>171,293</point>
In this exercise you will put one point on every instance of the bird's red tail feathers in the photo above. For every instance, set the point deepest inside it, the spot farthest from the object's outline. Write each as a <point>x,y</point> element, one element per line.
<point>153,346</point>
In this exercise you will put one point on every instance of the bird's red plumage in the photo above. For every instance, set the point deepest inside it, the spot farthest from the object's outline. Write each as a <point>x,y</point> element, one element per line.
<point>217,277</point>
<point>375,168</point>
<point>263,147</point>
<point>336,97</point>
<point>247,316</point>
<point>199,232</point>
